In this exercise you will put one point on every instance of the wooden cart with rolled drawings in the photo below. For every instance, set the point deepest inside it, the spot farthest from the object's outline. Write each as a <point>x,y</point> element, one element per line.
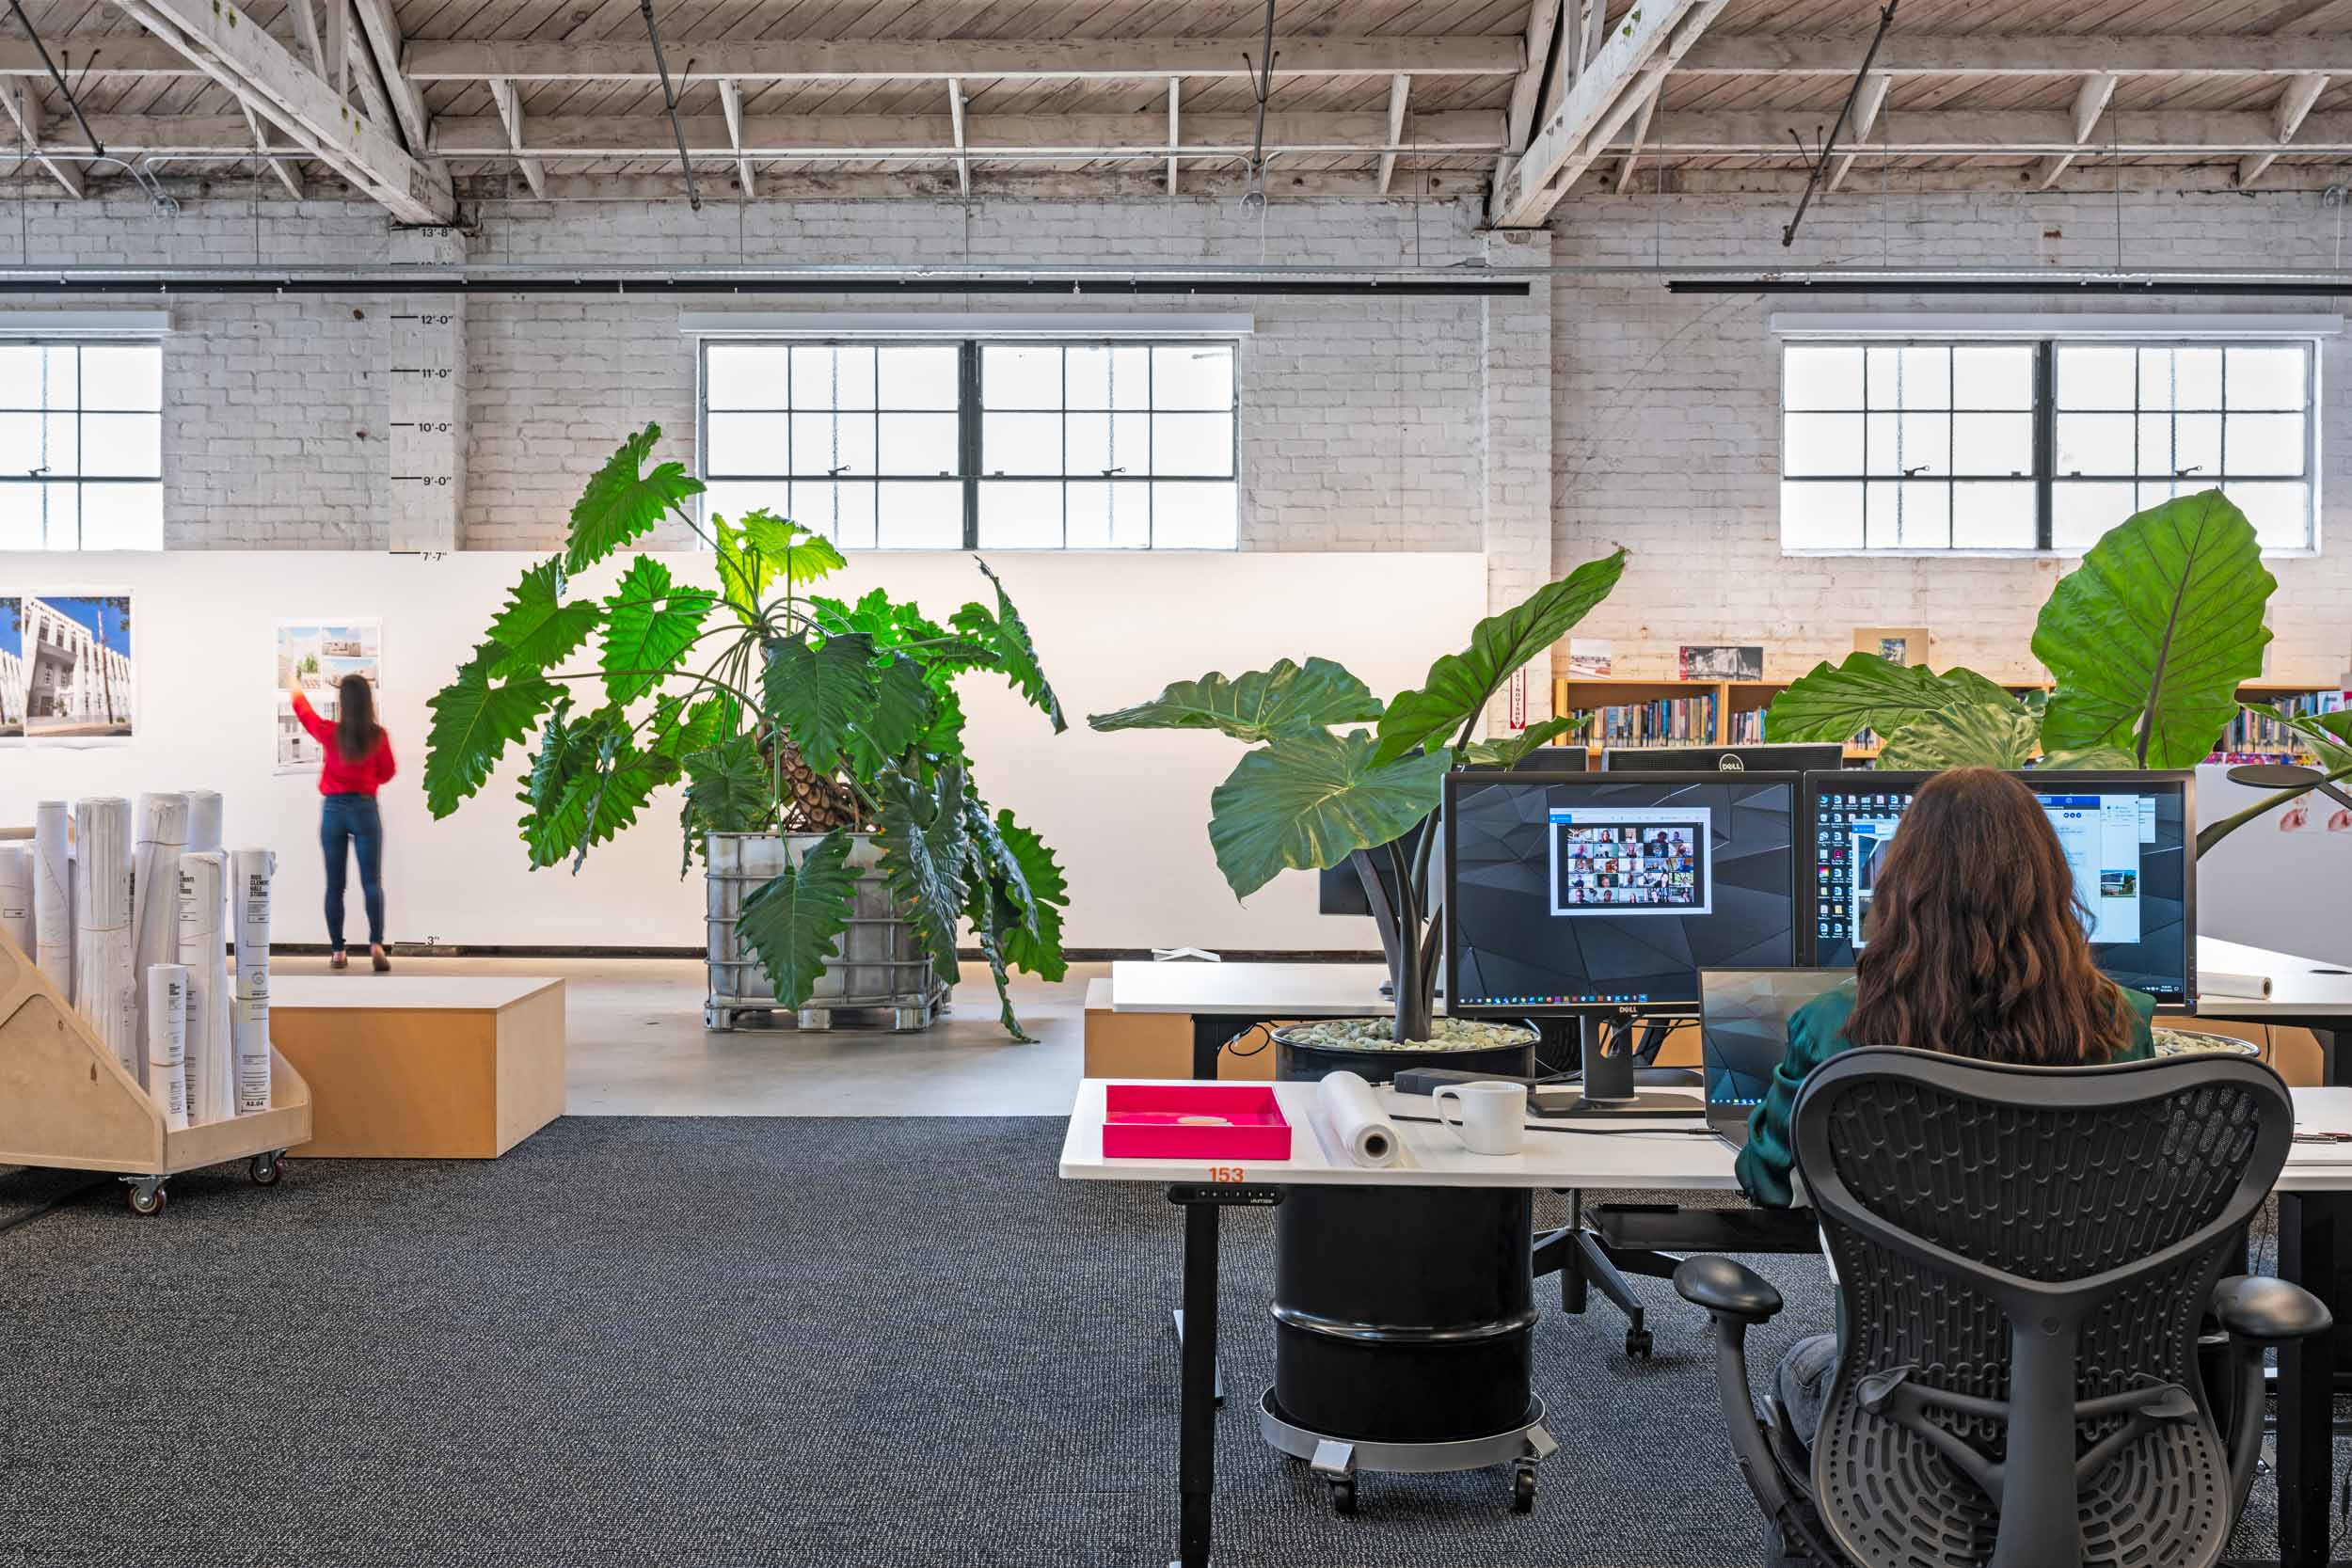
<point>65,1101</point>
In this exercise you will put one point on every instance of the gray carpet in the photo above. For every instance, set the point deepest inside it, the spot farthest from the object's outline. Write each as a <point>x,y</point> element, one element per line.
<point>674,1342</point>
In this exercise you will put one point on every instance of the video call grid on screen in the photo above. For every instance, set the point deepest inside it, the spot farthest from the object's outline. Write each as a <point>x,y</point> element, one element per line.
<point>2126,837</point>
<point>1519,942</point>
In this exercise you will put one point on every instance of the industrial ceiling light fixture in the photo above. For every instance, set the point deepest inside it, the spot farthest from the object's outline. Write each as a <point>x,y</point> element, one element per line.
<point>1253,187</point>
<point>668,100</point>
<point>1845,110</point>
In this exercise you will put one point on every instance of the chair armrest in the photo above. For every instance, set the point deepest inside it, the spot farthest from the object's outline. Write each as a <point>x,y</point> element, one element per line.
<point>1732,1288</point>
<point>2264,1311</point>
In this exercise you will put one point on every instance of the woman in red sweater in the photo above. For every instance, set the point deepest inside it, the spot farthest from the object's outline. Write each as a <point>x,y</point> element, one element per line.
<point>358,762</point>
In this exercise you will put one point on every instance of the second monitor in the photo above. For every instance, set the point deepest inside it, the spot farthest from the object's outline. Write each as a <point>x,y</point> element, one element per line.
<point>1613,890</point>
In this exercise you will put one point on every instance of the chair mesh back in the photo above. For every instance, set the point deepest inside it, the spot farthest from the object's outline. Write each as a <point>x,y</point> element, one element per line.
<point>2147,1185</point>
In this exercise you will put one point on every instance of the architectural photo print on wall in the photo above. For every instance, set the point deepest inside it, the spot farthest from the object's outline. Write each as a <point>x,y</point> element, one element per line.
<point>81,685</point>
<point>1721,661</point>
<point>322,652</point>
<point>11,668</point>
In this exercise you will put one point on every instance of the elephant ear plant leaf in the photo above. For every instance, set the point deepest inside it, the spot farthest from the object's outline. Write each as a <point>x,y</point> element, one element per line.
<point>779,713</point>
<point>1308,799</point>
<point>2149,637</point>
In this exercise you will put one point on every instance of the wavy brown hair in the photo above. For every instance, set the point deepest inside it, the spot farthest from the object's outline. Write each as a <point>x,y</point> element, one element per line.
<point>1976,940</point>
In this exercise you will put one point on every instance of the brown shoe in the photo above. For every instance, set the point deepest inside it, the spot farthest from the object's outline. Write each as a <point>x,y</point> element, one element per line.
<point>379,960</point>
<point>339,960</point>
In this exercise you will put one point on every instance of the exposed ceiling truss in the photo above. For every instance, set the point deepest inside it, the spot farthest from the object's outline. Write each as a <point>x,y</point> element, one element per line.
<point>1529,104</point>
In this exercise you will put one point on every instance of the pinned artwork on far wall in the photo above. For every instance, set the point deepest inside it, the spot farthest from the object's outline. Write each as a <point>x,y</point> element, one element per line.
<point>1894,644</point>
<point>322,652</point>
<point>11,668</point>
<point>1591,656</point>
<point>1721,661</point>
<point>81,677</point>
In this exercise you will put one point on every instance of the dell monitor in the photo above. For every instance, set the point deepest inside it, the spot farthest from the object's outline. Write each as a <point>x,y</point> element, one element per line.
<point>1340,890</point>
<point>1792,757</point>
<point>1610,891</point>
<point>2131,839</point>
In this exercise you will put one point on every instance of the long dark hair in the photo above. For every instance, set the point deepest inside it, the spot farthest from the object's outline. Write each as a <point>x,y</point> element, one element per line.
<point>1976,940</point>
<point>356,730</point>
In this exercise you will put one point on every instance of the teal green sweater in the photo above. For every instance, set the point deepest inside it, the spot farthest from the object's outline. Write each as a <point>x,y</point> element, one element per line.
<point>1816,1032</point>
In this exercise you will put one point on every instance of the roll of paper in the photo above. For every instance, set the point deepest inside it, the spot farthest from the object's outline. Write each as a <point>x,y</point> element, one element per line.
<point>167,1042</point>
<point>1363,1127</point>
<point>2252,987</point>
<point>203,952</point>
<point>249,874</point>
<point>16,895</point>
<point>160,835</point>
<point>105,990</point>
<point>203,820</point>
<point>53,894</point>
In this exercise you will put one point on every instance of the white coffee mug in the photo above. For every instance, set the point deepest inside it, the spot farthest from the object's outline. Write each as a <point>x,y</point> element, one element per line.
<point>1494,1116</point>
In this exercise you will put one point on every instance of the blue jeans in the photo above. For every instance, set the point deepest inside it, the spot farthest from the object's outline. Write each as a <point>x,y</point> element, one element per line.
<point>352,819</point>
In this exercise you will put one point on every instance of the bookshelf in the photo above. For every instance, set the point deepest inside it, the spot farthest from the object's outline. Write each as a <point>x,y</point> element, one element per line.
<point>1717,713</point>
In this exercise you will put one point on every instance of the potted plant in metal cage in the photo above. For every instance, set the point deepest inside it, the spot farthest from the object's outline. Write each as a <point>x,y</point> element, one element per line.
<point>820,742</point>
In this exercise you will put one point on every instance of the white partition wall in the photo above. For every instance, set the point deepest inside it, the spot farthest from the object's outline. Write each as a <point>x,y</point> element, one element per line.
<point>1125,813</point>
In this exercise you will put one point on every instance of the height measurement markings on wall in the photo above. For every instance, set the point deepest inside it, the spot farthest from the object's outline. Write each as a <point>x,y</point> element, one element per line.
<point>427,429</point>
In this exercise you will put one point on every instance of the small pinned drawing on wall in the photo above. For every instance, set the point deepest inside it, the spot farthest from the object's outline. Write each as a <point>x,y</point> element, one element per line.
<point>320,652</point>
<point>11,668</point>
<point>1894,644</point>
<point>81,685</point>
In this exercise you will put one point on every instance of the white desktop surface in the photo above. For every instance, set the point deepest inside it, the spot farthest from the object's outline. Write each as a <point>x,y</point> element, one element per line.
<point>1660,1155</point>
<point>2300,988</point>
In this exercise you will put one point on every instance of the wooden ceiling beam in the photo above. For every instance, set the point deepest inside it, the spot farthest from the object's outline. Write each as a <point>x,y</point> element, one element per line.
<point>731,108</point>
<point>25,113</point>
<point>2286,117</point>
<point>2090,102</point>
<point>1867,104</point>
<point>1018,59</point>
<point>1400,88</point>
<point>1906,54</point>
<point>504,98</point>
<point>282,168</point>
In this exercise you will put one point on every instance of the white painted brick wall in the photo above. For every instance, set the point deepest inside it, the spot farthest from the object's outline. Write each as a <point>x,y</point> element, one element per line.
<point>1666,411</point>
<point>1361,425</point>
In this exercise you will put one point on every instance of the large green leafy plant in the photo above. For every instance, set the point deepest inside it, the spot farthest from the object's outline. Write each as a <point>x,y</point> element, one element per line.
<point>2147,642</point>
<point>1314,793</point>
<point>781,709</point>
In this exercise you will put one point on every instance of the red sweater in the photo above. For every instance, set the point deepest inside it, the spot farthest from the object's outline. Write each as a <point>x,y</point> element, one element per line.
<point>338,777</point>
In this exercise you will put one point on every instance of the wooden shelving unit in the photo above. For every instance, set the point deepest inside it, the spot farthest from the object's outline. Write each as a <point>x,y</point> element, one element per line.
<point>65,1101</point>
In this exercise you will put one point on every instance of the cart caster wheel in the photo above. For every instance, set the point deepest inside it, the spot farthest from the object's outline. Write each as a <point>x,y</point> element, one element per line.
<point>1343,1495</point>
<point>1523,1489</point>
<point>1637,1343</point>
<point>265,1169</point>
<point>146,1202</point>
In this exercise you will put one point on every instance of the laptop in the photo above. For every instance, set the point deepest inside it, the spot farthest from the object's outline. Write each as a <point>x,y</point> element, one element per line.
<point>1743,1033</point>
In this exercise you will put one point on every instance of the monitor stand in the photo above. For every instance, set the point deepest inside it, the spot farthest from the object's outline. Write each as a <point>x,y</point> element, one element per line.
<point>1607,1089</point>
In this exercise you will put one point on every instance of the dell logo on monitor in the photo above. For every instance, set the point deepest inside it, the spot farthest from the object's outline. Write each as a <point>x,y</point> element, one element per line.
<point>1729,763</point>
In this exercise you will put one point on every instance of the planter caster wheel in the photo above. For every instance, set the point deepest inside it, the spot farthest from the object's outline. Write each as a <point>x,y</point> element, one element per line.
<point>1342,1495</point>
<point>1637,1345</point>
<point>1523,1488</point>
<point>717,1020</point>
<point>267,1169</point>
<point>146,1197</point>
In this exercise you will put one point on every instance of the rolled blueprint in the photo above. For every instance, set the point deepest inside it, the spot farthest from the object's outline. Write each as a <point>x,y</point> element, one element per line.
<point>2252,987</point>
<point>203,819</point>
<point>203,952</point>
<point>168,1042</point>
<point>160,834</point>
<point>1363,1127</point>
<point>16,895</point>
<point>105,990</point>
<point>53,894</point>
<point>250,873</point>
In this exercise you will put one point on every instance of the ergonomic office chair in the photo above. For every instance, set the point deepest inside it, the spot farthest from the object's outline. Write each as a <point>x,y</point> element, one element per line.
<point>1602,1243</point>
<point>2024,1257</point>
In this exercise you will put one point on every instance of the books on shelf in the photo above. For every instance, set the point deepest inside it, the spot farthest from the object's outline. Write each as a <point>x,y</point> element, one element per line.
<point>1744,728</point>
<point>2256,737</point>
<point>1668,721</point>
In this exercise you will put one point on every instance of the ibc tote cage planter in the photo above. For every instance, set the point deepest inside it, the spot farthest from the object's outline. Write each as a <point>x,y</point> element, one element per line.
<point>67,1103</point>
<point>881,964</point>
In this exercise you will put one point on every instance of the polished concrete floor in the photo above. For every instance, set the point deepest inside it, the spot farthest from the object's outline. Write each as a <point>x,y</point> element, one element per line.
<point>638,1048</point>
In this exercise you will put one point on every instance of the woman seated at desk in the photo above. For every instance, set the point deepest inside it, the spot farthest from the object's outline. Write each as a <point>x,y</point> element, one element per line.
<point>1977,948</point>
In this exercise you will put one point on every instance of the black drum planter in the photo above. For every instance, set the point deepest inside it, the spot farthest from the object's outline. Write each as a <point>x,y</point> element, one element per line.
<point>1404,1314</point>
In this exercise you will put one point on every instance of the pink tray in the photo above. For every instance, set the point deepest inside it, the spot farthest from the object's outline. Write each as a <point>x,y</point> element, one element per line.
<point>1141,1121</point>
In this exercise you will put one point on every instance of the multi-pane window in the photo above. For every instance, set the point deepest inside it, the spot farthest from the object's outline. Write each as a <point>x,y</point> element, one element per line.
<point>80,446</point>
<point>2037,445</point>
<point>973,444</point>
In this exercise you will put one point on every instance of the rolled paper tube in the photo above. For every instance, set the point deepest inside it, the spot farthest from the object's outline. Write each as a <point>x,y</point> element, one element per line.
<point>105,990</point>
<point>53,894</point>
<point>161,834</point>
<point>249,874</point>
<point>2254,987</point>
<point>16,896</point>
<point>203,820</point>
<point>250,1022</point>
<point>203,951</point>
<point>1363,1127</point>
<point>166,1042</point>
